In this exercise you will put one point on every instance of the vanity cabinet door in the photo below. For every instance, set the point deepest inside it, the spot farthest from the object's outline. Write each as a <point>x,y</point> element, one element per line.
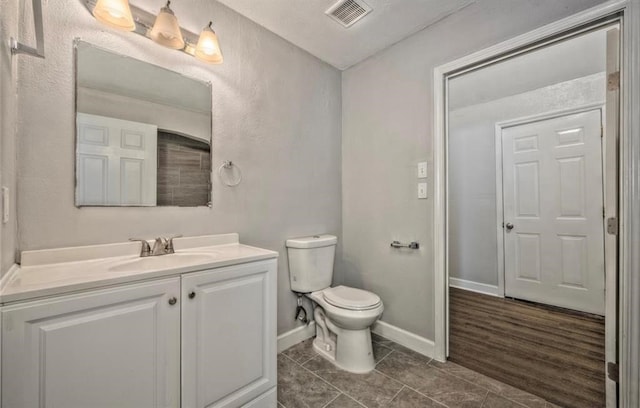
<point>102,349</point>
<point>228,335</point>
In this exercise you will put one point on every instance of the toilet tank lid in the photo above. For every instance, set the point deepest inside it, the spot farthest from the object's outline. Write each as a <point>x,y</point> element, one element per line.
<point>315,241</point>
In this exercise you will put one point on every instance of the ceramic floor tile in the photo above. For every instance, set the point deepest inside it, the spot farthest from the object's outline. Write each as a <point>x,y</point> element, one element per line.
<point>377,339</point>
<point>433,382</point>
<point>372,389</point>
<point>528,400</point>
<point>380,351</point>
<point>522,397</point>
<point>301,352</point>
<point>447,365</point>
<point>495,386</point>
<point>298,388</point>
<point>344,401</point>
<point>407,398</point>
<point>390,385</point>
<point>481,380</point>
<point>404,368</point>
<point>496,401</point>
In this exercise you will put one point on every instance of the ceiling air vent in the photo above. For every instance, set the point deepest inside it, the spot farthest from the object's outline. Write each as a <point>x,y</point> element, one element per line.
<point>348,12</point>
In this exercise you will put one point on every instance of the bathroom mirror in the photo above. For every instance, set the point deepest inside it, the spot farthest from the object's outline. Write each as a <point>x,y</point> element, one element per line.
<point>143,133</point>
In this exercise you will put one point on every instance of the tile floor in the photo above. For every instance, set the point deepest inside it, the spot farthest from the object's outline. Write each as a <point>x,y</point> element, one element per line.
<point>402,379</point>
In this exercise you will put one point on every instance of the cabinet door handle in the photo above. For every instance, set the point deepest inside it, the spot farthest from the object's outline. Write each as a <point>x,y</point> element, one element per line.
<point>192,294</point>
<point>173,301</point>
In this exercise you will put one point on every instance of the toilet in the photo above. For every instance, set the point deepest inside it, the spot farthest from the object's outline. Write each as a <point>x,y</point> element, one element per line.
<point>343,315</point>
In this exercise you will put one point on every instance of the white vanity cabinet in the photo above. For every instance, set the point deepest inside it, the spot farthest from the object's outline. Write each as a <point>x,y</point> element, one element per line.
<point>229,335</point>
<point>194,340</point>
<point>107,348</point>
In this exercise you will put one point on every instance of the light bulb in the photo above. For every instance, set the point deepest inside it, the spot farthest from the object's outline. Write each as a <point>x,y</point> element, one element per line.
<point>208,48</point>
<point>166,30</point>
<point>114,13</point>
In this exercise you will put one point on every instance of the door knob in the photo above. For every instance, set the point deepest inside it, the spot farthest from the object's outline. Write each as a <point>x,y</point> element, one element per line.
<point>509,226</point>
<point>192,295</point>
<point>173,301</point>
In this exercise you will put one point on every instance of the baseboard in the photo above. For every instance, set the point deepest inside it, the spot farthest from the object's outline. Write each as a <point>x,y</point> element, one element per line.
<point>491,290</point>
<point>295,336</point>
<point>410,340</point>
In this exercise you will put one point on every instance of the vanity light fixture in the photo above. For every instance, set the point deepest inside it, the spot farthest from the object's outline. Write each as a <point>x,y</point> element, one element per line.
<point>114,13</point>
<point>208,48</point>
<point>162,28</point>
<point>166,30</point>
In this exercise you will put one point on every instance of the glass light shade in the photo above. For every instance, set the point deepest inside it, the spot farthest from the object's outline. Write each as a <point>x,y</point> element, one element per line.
<point>208,48</point>
<point>166,30</point>
<point>115,13</point>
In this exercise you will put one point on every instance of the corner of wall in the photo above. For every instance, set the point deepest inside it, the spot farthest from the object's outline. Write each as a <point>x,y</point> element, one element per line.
<point>8,119</point>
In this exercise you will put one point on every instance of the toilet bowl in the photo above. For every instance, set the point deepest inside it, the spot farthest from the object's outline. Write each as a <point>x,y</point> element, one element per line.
<point>343,319</point>
<point>343,315</point>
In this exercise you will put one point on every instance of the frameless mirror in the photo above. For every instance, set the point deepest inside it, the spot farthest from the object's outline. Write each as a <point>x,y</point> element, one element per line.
<point>143,133</point>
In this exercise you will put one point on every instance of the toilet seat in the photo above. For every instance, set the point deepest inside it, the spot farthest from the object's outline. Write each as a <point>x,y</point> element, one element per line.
<point>345,297</point>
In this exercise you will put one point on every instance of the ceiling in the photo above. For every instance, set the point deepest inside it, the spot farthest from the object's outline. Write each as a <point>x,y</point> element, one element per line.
<point>303,23</point>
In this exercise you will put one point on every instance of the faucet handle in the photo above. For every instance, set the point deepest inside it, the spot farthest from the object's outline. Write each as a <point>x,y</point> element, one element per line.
<point>145,249</point>
<point>170,243</point>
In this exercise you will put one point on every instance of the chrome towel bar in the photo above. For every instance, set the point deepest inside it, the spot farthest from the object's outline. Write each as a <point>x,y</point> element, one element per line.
<point>412,245</point>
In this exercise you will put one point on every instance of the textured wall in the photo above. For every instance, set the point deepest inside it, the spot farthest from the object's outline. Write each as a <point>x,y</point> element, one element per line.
<point>387,129</point>
<point>8,117</point>
<point>276,113</point>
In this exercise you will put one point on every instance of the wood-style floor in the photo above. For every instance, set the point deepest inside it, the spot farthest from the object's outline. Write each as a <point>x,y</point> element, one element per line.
<point>550,352</point>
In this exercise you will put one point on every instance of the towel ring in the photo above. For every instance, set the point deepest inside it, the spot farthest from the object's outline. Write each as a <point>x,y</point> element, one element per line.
<point>229,165</point>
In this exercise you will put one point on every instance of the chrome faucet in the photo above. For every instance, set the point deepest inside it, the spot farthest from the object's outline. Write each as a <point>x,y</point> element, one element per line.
<point>161,246</point>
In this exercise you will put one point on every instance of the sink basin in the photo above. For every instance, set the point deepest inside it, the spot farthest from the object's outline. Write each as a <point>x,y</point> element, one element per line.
<point>163,262</point>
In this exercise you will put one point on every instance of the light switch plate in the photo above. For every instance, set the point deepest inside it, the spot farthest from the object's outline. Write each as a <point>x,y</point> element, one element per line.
<point>422,190</point>
<point>422,170</point>
<point>5,205</point>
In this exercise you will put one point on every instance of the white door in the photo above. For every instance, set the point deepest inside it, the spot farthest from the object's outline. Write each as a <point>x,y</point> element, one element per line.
<point>553,212</point>
<point>116,161</point>
<point>104,349</point>
<point>228,335</point>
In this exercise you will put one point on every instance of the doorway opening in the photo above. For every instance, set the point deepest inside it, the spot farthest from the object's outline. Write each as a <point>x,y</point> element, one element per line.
<point>531,203</point>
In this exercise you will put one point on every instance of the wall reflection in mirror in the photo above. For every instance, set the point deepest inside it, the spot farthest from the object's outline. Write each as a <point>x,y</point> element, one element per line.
<point>143,133</point>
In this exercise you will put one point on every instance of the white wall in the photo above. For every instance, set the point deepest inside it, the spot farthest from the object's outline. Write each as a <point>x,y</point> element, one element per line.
<point>387,129</point>
<point>473,243</point>
<point>8,117</point>
<point>276,113</point>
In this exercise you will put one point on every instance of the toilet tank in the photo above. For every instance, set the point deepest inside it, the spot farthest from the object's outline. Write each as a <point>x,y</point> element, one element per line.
<point>311,262</point>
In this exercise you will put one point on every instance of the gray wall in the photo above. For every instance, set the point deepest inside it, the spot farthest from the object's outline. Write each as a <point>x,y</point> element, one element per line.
<point>276,113</point>
<point>473,242</point>
<point>387,129</point>
<point>8,115</point>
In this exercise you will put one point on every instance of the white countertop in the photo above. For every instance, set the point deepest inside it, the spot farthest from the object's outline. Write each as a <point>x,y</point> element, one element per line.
<point>64,270</point>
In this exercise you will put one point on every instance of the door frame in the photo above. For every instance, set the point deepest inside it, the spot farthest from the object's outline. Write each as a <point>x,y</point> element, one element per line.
<point>628,13</point>
<point>499,126</point>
